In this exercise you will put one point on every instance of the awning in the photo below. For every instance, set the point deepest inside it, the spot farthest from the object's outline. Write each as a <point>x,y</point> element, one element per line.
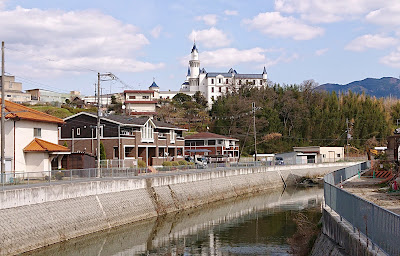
<point>38,145</point>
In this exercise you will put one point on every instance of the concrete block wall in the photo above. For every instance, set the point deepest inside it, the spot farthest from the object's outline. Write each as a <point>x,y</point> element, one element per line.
<point>38,216</point>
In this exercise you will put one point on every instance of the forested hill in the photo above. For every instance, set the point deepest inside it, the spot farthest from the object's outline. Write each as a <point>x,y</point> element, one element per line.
<point>383,87</point>
<point>300,116</point>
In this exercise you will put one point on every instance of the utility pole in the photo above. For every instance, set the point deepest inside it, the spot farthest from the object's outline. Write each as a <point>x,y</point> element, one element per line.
<point>347,137</point>
<point>255,132</point>
<point>98,117</point>
<point>98,125</point>
<point>3,134</point>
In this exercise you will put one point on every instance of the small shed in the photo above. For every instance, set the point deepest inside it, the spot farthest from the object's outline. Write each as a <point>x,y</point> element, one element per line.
<point>78,160</point>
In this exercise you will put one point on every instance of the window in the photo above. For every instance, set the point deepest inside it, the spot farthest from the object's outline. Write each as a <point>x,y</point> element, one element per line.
<point>323,155</point>
<point>146,97</point>
<point>219,80</point>
<point>8,96</point>
<point>240,82</point>
<point>338,155</point>
<point>260,82</point>
<point>129,151</point>
<point>212,89</point>
<point>226,81</point>
<point>132,97</point>
<point>254,82</point>
<point>220,89</point>
<point>101,131</point>
<point>227,89</point>
<point>78,131</point>
<point>37,132</point>
<point>247,81</point>
<point>212,80</point>
<point>212,98</point>
<point>116,153</point>
<point>211,142</point>
<point>147,132</point>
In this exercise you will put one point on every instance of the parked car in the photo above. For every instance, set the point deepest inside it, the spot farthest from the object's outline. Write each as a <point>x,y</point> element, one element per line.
<point>279,161</point>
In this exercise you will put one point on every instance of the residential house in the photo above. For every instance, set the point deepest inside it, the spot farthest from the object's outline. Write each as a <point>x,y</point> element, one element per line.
<point>46,96</point>
<point>13,90</point>
<point>31,141</point>
<point>317,154</point>
<point>212,145</point>
<point>124,137</point>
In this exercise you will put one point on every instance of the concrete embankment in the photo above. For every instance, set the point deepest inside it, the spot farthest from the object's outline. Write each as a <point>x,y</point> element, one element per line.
<point>338,238</point>
<point>38,216</point>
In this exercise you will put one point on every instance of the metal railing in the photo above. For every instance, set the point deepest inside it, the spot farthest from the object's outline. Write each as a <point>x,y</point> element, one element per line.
<point>26,179</point>
<point>379,225</point>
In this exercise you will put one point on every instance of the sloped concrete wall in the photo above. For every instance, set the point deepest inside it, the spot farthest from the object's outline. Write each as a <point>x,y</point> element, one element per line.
<point>39,216</point>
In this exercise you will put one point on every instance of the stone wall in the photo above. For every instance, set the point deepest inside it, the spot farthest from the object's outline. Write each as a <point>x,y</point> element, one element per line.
<point>38,216</point>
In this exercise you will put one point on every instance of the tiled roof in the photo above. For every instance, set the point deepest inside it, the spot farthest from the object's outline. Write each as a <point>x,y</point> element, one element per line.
<point>38,145</point>
<point>207,135</point>
<point>250,76</point>
<point>214,74</point>
<point>17,111</point>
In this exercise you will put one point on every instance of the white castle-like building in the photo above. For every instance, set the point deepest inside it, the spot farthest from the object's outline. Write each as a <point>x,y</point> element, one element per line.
<point>214,84</point>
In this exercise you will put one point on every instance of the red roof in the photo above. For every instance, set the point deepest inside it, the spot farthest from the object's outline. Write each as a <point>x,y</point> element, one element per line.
<point>142,113</point>
<point>17,111</point>
<point>138,91</point>
<point>207,135</point>
<point>38,145</point>
<point>141,102</point>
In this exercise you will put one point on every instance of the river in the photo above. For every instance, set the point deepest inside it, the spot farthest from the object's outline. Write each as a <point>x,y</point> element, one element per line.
<point>250,225</point>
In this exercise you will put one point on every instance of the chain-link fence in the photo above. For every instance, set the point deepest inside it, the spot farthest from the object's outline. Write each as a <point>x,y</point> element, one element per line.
<point>380,226</point>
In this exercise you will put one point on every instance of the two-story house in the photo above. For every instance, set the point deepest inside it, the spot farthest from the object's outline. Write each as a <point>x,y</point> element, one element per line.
<point>31,141</point>
<point>124,137</point>
<point>212,145</point>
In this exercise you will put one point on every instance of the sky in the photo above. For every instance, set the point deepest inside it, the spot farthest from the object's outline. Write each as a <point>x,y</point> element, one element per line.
<point>60,45</point>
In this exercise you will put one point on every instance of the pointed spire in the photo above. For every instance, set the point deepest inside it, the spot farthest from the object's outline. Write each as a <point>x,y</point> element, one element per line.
<point>194,46</point>
<point>264,71</point>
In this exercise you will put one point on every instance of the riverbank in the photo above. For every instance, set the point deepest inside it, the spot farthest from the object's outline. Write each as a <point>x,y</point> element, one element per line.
<point>38,216</point>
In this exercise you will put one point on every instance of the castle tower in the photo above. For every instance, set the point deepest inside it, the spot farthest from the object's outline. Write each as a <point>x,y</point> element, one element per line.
<point>194,62</point>
<point>264,74</point>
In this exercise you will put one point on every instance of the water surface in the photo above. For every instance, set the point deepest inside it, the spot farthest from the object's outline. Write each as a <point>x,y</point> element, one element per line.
<point>251,225</point>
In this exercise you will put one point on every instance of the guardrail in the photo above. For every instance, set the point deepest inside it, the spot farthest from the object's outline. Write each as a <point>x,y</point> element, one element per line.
<point>380,226</point>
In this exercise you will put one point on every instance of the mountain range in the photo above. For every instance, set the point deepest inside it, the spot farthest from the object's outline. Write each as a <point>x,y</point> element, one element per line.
<point>383,87</point>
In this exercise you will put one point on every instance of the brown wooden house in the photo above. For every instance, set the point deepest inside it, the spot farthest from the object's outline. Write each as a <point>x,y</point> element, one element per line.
<point>124,137</point>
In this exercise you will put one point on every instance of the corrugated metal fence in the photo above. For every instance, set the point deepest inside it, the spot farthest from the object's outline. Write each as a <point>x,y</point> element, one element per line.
<point>381,226</point>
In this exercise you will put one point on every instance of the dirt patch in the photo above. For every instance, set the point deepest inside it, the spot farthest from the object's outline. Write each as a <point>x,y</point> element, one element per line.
<point>378,194</point>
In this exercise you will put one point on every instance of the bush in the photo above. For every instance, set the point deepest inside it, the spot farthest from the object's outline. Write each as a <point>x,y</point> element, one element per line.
<point>59,175</point>
<point>141,164</point>
<point>175,163</point>
<point>167,163</point>
<point>190,163</point>
<point>182,162</point>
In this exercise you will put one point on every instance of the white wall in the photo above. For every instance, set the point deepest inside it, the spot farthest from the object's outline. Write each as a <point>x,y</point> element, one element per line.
<point>331,154</point>
<point>23,136</point>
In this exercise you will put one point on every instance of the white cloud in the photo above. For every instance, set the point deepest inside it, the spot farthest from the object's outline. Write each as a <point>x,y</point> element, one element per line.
<point>156,31</point>
<point>321,52</point>
<point>325,11</point>
<point>210,38</point>
<point>364,42</point>
<point>209,19</point>
<point>72,39</point>
<point>393,59</point>
<point>385,16</point>
<point>229,57</point>
<point>231,12</point>
<point>275,25</point>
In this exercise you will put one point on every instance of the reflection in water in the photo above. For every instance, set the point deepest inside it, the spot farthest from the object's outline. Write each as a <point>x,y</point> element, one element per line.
<point>252,225</point>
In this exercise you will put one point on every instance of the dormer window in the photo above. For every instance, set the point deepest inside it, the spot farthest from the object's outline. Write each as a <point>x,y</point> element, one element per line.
<point>147,132</point>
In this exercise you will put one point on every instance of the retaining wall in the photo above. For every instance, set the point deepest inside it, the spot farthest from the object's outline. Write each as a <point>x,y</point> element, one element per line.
<point>38,216</point>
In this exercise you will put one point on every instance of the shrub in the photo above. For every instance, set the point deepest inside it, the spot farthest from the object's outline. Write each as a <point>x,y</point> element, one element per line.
<point>167,163</point>
<point>175,163</point>
<point>141,164</point>
<point>182,162</point>
<point>59,175</point>
<point>190,163</point>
